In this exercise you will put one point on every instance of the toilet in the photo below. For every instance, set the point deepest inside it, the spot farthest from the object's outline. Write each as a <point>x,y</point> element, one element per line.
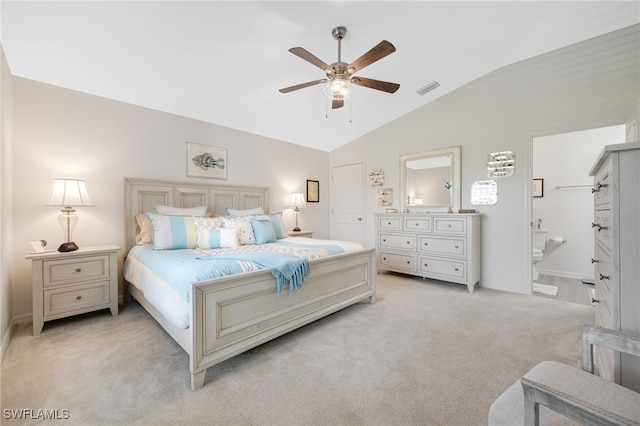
<point>539,244</point>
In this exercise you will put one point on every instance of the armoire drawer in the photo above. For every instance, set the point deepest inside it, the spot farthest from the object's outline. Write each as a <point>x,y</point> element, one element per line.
<point>417,224</point>
<point>406,262</point>
<point>450,225</point>
<point>456,269</point>
<point>398,241</point>
<point>602,188</point>
<point>444,246</point>
<point>602,228</point>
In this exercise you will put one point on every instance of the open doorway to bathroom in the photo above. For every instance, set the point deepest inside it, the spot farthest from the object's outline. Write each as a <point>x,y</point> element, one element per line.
<point>562,212</point>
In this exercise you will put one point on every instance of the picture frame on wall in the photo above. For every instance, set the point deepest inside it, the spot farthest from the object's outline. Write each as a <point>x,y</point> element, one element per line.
<point>206,161</point>
<point>538,188</point>
<point>313,191</point>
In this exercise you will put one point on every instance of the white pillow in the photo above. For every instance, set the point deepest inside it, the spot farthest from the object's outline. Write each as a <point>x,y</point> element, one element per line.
<point>246,212</point>
<point>180,211</point>
<point>216,238</point>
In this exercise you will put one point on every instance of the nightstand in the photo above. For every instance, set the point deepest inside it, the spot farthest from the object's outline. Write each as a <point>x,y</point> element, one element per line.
<point>308,234</point>
<point>66,284</point>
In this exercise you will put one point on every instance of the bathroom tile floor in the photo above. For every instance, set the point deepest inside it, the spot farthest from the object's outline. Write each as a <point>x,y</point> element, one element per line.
<point>569,289</point>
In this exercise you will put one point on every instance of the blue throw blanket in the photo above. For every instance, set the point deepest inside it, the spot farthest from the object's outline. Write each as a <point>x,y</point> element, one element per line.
<point>283,266</point>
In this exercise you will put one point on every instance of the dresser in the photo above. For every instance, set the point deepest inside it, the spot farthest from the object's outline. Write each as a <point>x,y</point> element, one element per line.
<point>616,227</point>
<point>65,284</point>
<point>442,246</point>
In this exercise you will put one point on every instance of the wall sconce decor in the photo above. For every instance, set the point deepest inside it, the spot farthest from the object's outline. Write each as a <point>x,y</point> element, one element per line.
<point>296,202</point>
<point>484,192</point>
<point>68,193</point>
<point>501,164</point>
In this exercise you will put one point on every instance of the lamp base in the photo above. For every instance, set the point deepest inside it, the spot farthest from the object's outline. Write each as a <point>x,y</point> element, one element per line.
<point>70,246</point>
<point>296,229</point>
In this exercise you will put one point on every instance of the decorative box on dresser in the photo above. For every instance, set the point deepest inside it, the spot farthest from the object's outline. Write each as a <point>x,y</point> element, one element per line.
<point>616,228</point>
<point>443,246</point>
<point>66,284</point>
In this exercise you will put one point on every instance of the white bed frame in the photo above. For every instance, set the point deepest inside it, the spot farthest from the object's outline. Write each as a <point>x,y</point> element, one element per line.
<point>230,315</point>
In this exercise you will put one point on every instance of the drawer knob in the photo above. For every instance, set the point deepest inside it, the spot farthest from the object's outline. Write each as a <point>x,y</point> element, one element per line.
<point>605,277</point>
<point>426,264</point>
<point>408,262</point>
<point>426,244</point>
<point>595,261</point>
<point>408,242</point>
<point>78,297</point>
<point>598,186</point>
<point>449,225</point>
<point>455,246</point>
<point>594,300</point>
<point>78,269</point>
<point>600,227</point>
<point>456,269</point>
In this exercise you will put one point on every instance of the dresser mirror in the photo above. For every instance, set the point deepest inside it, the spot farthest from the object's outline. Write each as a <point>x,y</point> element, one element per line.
<point>430,180</point>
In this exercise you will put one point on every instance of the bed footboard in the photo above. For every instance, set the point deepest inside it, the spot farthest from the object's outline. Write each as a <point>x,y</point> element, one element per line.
<point>233,314</point>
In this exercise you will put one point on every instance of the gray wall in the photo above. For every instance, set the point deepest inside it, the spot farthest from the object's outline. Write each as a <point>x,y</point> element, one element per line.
<point>588,85</point>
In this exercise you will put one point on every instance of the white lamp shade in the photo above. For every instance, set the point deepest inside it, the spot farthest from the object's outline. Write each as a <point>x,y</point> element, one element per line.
<point>297,200</point>
<point>69,192</point>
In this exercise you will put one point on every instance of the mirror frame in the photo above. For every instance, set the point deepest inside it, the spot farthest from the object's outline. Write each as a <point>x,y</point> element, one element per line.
<point>455,205</point>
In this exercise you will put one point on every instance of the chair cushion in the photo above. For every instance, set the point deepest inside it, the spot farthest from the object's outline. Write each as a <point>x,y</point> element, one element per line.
<point>508,409</point>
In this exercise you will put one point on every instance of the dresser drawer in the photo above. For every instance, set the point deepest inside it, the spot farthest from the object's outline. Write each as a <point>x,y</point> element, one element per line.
<point>393,223</point>
<point>405,262</point>
<point>451,225</point>
<point>456,269</point>
<point>445,246</point>
<point>602,228</point>
<point>417,224</point>
<point>398,241</point>
<point>68,299</point>
<point>78,269</point>
<point>603,189</point>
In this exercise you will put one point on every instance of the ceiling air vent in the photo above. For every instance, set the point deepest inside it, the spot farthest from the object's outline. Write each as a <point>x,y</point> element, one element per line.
<point>429,87</point>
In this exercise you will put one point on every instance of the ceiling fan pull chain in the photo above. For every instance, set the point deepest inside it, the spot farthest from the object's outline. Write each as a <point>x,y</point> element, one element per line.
<point>326,107</point>
<point>350,103</point>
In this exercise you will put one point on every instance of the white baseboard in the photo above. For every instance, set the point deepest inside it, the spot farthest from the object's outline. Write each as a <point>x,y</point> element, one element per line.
<point>20,319</point>
<point>564,274</point>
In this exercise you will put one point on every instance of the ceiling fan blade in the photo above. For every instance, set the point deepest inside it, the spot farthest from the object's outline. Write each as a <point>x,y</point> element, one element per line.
<point>385,86</point>
<point>378,52</point>
<point>302,85</point>
<point>304,54</point>
<point>337,103</point>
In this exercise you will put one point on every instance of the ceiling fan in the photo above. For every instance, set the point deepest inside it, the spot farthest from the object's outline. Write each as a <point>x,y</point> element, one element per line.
<point>340,75</point>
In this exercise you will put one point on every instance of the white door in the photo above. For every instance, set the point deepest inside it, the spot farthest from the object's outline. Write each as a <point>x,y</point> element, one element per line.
<point>347,203</point>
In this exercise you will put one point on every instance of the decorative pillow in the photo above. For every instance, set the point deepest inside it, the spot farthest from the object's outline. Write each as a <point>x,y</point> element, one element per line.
<point>263,231</point>
<point>172,232</point>
<point>216,238</point>
<point>245,231</point>
<point>208,222</point>
<point>179,211</point>
<point>247,212</point>
<point>278,225</point>
<point>145,236</point>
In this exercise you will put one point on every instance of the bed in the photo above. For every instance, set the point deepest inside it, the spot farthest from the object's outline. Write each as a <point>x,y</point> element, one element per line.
<point>228,315</point>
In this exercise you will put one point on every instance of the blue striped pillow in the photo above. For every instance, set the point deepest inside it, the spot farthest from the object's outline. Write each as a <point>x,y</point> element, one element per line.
<point>172,232</point>
<point>216,238</point>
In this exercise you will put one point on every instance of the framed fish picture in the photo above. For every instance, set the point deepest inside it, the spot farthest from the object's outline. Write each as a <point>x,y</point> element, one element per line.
<point>206,161</point>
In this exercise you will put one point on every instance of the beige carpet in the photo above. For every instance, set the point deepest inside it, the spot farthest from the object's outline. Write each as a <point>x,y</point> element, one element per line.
<point>425,354</point>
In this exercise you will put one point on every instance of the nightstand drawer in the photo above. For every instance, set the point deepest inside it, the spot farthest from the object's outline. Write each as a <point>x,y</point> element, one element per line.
<point>76,270</point>
<point>68,299</point>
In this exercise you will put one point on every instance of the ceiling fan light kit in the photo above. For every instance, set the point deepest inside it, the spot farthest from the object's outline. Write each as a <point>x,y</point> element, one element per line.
<point>341,81</point>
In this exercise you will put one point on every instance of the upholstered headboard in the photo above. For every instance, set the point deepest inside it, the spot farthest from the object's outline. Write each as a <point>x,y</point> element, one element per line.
<point>140,195</point>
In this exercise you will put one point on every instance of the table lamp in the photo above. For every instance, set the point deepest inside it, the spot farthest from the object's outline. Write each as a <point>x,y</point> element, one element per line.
<point>68,193</point>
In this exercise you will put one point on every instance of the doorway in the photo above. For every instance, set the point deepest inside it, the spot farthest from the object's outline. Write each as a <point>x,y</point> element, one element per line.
<point>562,211</point>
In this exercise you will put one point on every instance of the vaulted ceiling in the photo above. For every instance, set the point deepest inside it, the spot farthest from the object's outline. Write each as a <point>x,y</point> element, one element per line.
<point>223,62</point>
